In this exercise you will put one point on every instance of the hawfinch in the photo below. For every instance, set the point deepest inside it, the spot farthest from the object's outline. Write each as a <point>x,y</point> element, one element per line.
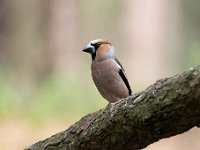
<point>107,72</point>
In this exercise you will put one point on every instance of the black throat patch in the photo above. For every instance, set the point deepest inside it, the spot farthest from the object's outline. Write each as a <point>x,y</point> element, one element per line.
<point>93,55</point>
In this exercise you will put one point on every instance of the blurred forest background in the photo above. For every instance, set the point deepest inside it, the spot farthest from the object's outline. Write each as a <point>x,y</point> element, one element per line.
<point>45,78</point>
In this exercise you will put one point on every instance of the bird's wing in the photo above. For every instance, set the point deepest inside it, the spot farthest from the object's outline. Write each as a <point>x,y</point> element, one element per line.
<point>123,75</point>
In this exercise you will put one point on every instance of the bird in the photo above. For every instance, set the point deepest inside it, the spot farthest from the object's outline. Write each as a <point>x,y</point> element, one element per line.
<point>107,72</point>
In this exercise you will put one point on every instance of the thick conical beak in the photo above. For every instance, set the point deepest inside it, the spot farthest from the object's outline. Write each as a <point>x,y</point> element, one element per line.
<point>89,49</point>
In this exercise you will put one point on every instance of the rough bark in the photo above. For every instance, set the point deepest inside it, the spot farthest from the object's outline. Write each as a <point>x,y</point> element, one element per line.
<point>169,107</point>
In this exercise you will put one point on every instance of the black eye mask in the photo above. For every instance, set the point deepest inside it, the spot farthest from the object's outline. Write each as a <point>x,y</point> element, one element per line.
<point>96,45</point>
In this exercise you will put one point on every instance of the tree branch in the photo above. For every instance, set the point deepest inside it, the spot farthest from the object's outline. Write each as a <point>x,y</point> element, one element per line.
<point>169,107</point>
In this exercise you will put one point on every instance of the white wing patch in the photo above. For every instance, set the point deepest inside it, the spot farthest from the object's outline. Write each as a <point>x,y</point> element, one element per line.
<point>119,66</point>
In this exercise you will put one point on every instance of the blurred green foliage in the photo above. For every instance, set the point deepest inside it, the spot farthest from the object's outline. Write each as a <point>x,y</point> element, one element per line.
<point>9,99</point>
<point>54,97</point>
<point>193,55</point>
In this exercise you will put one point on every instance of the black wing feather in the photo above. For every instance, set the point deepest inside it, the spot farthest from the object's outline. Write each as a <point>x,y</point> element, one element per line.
<point>123,76</point>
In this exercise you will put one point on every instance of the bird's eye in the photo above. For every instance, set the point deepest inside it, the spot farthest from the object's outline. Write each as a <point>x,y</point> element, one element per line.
<point>96,45</point>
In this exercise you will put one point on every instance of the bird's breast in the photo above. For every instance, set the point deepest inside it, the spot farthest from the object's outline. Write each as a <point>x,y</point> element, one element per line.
<point>106,77</point>
<point>104,72</point>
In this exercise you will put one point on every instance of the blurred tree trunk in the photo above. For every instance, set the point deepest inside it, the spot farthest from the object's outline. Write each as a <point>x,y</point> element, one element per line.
<point>169,107</point>
<point>6,11</point>
<point>62,39</point>
<point>22,29</point>
<point>153,36</point>
<point>36,38</point>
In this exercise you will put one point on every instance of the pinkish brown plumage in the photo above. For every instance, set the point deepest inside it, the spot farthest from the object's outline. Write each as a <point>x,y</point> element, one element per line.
<point>107,72</point>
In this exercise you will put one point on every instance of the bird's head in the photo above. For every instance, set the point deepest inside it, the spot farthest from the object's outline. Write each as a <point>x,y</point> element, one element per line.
<point>100,49</point>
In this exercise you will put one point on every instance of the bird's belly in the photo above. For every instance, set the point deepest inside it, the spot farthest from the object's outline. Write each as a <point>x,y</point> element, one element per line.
<point>109,82</point>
